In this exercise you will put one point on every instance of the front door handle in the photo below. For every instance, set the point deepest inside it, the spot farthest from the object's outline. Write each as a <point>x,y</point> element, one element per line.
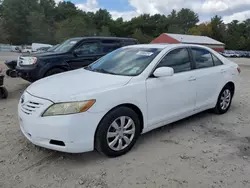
<point>192,78</point>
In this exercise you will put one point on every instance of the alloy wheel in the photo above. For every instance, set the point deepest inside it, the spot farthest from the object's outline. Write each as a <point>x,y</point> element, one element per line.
<point>120,133</point>
<point>225,99</point>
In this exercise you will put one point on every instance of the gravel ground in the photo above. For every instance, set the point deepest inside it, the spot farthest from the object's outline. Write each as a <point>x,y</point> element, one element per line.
<point>202,151</point>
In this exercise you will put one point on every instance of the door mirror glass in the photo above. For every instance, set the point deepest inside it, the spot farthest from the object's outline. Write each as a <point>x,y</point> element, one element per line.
<point>164,72</point>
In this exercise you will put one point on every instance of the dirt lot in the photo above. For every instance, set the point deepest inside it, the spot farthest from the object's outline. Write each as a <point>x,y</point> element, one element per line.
<point>202,151</point>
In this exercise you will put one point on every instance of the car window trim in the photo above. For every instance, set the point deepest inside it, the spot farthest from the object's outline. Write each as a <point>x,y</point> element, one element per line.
<point>191,62</point>
<point>114,41</point>
<point>195,47</point>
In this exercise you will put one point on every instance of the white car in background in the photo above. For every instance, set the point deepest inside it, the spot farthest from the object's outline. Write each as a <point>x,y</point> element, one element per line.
<point>109,104</point>
<point>230,54</point>
<point>26,49</point>
<point>36,46</point>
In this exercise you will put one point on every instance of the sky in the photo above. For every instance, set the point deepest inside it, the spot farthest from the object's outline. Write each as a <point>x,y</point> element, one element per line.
<point>228,9</point>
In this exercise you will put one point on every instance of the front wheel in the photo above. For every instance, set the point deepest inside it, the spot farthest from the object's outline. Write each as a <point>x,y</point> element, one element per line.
<point>224,101</point>
<point>117,132</point>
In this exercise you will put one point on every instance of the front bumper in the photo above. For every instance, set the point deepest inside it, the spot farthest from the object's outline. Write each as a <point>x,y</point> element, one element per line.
<point>68,133</point>
<point>29,73</point>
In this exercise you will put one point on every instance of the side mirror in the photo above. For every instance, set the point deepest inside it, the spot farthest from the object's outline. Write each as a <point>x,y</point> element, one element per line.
<point>163,72</point>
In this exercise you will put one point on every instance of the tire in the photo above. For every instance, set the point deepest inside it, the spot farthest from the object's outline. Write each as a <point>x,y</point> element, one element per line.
<point>13,74</point>
<point>8,72</point>
<point>53,72</point>
<point>103,144</point>
<point>227,94</point>
<point>3,93</point>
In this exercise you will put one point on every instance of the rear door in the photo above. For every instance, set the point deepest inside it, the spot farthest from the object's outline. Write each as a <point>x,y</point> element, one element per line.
<point>209,77</point>
<point>86,53</point>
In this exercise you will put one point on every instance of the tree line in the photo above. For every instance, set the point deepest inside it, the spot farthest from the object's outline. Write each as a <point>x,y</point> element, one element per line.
<point>27,21</point>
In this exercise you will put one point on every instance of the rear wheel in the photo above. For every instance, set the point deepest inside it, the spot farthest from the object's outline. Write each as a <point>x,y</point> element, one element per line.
<point>224,100</point>
<point>117,132</point>
<point>54,71</point>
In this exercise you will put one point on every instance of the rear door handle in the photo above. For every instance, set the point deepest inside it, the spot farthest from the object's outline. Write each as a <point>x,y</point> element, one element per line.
<point>192,78</point>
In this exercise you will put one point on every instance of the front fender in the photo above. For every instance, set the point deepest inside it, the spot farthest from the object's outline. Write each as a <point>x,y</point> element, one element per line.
<point>53,64</point>
<point>134,94</point>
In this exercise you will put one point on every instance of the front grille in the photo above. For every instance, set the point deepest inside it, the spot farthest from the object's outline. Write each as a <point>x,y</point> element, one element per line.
<point>30,107</point>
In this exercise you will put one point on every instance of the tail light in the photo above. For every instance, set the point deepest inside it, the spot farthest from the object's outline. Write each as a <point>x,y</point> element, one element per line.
<point>238,69</point>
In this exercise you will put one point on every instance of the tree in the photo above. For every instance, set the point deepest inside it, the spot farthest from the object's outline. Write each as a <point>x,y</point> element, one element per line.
<point>118,27</point>
<point>102,18</point>
<point>28,21</point>
<point>172,17</point>
<point>104,31</point>
<point>64,10</point>
<point>218,28</point>
<point>194,31</point>
<point>73,27</point>
<point>203,29</point>
<point>3,34</point>
<point>175,28</point>
<point>187,19</point>
<point>1,8</point>
<point>15,22</point>
<point>38,28</point>
<point>142,38</point>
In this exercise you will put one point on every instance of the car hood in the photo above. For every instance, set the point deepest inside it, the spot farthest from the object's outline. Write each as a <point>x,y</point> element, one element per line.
<point>43,54</point>
<point>75,85</point>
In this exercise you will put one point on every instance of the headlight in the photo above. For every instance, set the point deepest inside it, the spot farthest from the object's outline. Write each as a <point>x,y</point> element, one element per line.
<point>68,108</point>
<point>28,60</point>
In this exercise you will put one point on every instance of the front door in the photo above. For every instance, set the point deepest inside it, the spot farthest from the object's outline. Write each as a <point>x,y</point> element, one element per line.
<point>172,97</point>
<point>85,54</point>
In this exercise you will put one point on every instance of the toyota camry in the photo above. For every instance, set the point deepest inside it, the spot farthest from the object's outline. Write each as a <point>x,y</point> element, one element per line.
<point>107,105</point>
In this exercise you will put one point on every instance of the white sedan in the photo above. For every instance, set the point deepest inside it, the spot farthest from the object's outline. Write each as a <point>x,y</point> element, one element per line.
<point>109,104</point>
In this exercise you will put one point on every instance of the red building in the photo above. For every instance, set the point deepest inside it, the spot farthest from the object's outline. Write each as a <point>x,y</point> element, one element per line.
<point>190,39</point>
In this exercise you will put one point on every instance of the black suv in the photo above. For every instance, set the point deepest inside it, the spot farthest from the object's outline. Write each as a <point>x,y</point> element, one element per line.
<point>72,54</point>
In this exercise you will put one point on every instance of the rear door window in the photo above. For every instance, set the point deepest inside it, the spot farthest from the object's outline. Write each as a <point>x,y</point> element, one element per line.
<point>89,48</point>
<point>110,45</point>
<point>202,57</point>
<point>217,61</point>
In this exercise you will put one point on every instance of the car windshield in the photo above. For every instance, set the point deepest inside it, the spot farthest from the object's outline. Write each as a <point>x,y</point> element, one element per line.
<point>66,45</point>
<point>51,49</point>
<point>129,61</point>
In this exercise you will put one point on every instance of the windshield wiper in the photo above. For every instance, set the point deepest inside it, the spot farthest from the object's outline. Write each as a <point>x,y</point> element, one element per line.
<point>99,70</point>
<point>102,71</point>
<point>88,68</point>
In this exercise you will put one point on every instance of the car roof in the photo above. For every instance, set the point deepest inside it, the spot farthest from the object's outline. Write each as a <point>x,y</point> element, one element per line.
<point>99,37</point>
<point>164,45</point>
